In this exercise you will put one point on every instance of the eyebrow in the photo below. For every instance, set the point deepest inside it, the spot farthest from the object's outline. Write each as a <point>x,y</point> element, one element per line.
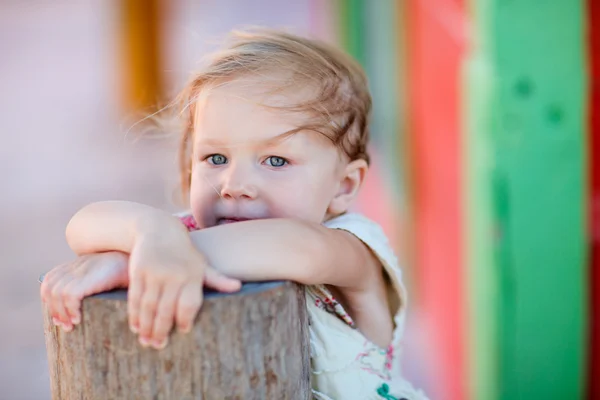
<point>265,142</point>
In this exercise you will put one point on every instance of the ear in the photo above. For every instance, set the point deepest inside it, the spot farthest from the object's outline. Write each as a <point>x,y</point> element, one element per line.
<point>350,182</point>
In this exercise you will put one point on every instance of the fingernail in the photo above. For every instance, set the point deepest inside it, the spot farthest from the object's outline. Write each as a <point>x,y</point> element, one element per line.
<point>185,329</point>
<point>134,329</point>
<point>55,321</point>
<point>144,341</point>
<point>67,327</point>
<point>75,320</point>
<point>160,344</point>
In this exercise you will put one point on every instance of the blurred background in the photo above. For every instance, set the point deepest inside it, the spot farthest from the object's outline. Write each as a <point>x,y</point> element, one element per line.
<point>485,142</point>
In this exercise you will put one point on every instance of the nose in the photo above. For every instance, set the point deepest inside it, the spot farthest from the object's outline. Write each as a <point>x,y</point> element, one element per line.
<point>237,184</point>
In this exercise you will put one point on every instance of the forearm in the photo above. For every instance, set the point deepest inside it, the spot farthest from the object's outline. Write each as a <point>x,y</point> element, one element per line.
<point>115,225</point>
<point>272,249</point>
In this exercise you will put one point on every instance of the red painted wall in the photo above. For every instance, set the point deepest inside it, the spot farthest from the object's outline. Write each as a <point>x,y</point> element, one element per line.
<point>436,45</point>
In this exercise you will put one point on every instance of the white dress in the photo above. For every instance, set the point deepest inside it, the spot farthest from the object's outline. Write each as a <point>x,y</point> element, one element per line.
<point>346,365</point>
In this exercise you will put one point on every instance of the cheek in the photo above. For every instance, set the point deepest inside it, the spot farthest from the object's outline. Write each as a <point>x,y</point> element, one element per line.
<point>201,199</point>
<point>303,195</point>
<point>197,205</point>
<point>196,198</point>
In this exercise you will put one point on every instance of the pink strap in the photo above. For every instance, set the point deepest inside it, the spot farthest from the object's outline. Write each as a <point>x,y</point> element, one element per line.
<point>189,222</point>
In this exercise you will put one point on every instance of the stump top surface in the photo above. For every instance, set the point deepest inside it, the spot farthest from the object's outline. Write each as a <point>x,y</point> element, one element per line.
<point>247,288</point>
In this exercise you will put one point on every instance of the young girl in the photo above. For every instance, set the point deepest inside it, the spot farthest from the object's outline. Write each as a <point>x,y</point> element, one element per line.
<point>273,154</point>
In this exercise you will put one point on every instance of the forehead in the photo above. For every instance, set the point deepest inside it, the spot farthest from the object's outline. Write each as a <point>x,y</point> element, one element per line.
<point>244,111</point>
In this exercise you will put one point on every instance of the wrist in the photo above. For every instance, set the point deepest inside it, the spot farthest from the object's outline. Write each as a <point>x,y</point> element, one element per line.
<point>159,226</point>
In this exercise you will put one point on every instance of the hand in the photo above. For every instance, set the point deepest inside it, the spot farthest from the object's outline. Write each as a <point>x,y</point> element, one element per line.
<point>65,286</point>
<point>167,275</point>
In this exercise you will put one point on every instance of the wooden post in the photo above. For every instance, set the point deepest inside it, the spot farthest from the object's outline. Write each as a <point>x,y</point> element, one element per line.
<point>248,345</point>
<point>140,31</point>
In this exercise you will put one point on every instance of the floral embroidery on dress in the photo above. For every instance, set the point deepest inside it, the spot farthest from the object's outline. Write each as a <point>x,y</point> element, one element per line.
<point>384,391</point>
<point>327,302</point>
<point>377,361</point>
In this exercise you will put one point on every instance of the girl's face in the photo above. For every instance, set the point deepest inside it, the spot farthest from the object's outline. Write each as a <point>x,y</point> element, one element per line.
<point>243,168</point>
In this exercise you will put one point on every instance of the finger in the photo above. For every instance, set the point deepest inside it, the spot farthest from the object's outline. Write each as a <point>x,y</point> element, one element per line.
<point>50,280</point>
<point>134,300</point>
<point>188,305</point>
<point>216,280</point>
<point>59,312</point>
<point>152,292</point>
<point>73,294</point>
<point>165,315</point>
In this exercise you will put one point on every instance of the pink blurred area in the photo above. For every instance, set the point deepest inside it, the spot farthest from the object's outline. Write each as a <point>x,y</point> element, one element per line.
<point>63,141</point>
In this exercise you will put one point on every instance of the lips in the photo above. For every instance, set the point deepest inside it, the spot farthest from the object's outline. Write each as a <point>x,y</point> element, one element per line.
<point>230,220</point>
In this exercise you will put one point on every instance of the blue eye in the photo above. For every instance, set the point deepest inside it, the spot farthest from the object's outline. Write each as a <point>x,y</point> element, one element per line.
<point>275,161</point>
<point>217,159</point>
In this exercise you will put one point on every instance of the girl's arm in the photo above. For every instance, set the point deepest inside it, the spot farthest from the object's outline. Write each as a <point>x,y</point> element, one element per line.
<point>116,225</point>
<point>167,273</point>
<point>266,249</point>
<point>288,249</point>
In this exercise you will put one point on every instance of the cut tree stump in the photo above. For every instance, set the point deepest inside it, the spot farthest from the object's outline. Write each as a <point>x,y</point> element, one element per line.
<point>249,345</point>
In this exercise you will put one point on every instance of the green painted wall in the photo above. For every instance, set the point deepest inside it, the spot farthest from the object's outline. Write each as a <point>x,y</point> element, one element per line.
<point>526,172</point>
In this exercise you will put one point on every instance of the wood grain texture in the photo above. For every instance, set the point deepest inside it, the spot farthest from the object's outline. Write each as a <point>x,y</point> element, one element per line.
<point>249,345</point>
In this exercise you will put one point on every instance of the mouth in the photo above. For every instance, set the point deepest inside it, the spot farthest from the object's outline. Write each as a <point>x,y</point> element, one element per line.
<point>231,220</point>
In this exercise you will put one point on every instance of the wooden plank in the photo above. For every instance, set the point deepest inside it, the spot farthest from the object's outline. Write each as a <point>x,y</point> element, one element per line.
<point>384,68</point>
<point>352,28</point>
<point>480,224</point>
<point>536,136</point>
<point>381,194</point>
<point>481,281</point>
<point>435,56</point>
<point>140,41</point>
<point>402,144</point>
<point>594,142</point>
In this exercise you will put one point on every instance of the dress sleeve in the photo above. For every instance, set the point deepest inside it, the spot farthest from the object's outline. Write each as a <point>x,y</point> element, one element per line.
<point>373,236</point>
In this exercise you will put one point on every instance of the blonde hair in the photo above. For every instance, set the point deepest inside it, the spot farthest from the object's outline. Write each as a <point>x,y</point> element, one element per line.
<point>340,108</point>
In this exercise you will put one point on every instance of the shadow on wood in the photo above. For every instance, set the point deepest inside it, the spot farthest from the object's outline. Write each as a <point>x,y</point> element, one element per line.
<point>248,345</point>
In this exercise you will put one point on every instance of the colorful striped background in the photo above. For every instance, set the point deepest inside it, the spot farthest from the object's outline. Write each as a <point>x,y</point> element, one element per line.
<point>482,113</point>
<point>486,175</point>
